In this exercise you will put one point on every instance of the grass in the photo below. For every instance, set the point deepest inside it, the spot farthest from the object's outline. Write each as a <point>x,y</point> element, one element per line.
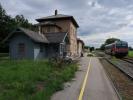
<point>130,53</point>
<point>32,80</point>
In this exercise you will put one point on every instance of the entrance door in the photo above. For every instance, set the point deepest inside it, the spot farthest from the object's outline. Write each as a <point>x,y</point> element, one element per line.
<point>21,50</point>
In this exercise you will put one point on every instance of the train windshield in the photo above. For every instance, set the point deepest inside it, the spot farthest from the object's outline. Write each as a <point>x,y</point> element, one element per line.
<point>121,45</point>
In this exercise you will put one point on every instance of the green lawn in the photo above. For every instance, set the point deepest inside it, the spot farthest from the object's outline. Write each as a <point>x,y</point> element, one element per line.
<point>130,53</point>
<point>32,80</point>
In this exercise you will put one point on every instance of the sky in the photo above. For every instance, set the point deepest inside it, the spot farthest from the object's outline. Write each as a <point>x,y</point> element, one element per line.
<point>98,19</point>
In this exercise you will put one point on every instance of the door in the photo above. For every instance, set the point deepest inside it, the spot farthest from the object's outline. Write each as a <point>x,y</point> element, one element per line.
<point>21,50</point>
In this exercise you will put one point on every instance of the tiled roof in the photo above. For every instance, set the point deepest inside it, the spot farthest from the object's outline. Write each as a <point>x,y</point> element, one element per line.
<point>58,16</point>
<point>54,16</point>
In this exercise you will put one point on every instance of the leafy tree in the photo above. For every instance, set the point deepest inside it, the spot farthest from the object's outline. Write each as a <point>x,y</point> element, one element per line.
<point>22,22</point>
<point>108,41</point>
<point>8,24</point>
<point>102,47</point>
<point>111,40</point>
<point>92,49</point>
<point>3,23</point>
<point>130,48</point>
<point>86,47</point>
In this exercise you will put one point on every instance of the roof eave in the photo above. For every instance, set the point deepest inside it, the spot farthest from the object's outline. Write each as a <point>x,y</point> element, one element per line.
<point>70,17</point>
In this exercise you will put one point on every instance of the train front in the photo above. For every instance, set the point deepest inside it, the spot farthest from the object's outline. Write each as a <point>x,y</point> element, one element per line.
<point>121,49</point>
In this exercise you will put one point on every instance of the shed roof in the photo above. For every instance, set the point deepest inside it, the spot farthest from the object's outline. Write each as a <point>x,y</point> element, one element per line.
<point>34,35</point>
<point>42,38</point>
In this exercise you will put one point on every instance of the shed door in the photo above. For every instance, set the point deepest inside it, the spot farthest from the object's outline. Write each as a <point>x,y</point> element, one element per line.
<point>21,50</point>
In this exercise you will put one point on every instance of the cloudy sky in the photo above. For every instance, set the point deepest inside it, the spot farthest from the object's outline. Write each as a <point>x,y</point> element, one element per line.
<point>98,19</point>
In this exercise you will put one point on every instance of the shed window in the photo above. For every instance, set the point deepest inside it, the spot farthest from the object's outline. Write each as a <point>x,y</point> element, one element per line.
<point>21,48</point>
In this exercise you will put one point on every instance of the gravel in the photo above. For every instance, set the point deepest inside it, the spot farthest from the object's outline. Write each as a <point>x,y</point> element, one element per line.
<point>123,84</point>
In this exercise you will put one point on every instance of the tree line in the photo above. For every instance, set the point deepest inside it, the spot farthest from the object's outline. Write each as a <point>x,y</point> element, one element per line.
<point>8,24</point>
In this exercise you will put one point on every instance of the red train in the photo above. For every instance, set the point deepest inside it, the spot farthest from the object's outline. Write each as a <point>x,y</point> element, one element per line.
<point>118,49</point>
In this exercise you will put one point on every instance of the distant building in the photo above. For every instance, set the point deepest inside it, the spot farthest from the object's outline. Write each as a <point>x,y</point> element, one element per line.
<point>80,47</point>
<point>56,36</point>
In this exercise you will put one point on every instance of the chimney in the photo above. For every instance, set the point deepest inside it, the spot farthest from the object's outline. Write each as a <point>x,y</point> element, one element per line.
<point>56,12</point>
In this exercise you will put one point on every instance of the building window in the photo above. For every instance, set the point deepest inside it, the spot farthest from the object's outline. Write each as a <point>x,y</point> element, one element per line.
<point>21,48</point>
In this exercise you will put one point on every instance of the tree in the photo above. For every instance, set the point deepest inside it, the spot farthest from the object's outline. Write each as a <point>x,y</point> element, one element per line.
<point>102,47</point>
<point>108,41</point>
<point>86,47</point>
<point>92,49</point>
<point>111,40</point>
<point>8,24</point>
<point>130,48</point>
<point>2,21</point>
<point>22,22</point>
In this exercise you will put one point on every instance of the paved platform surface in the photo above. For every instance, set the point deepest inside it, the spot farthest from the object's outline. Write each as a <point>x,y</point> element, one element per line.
<point>96,87</point>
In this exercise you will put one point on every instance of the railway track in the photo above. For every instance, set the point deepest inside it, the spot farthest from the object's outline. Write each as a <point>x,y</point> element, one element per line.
<point>130,60</point>
<point>124,66</point>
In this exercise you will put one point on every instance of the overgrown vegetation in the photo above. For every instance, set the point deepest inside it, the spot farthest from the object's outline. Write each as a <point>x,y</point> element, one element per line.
<point>32,80</point>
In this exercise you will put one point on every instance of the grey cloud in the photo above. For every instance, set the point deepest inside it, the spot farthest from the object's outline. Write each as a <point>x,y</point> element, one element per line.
<point>93,16</point>
<point>115,3</point>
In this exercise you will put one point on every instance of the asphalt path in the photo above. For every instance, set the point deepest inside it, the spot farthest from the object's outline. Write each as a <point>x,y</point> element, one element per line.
<point>90,83</point>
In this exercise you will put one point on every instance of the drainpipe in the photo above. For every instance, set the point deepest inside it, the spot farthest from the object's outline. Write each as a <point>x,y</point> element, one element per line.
<point>39,28</point>
<point>61,51</point>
